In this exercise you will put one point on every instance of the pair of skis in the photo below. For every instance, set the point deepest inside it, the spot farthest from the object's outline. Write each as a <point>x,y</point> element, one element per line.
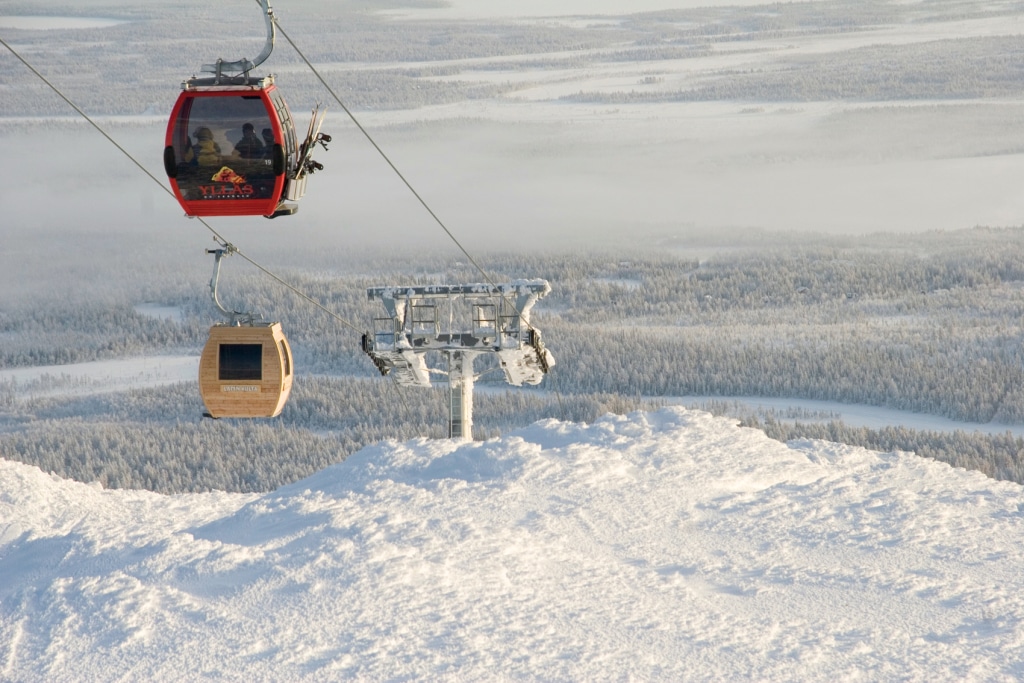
<point>306,164</point>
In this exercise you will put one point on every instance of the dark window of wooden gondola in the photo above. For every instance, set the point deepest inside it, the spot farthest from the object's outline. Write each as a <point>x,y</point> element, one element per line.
<point>241,362</point>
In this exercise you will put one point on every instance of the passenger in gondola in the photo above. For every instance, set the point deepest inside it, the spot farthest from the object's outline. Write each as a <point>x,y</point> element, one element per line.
<point>268,141</point>
<point>206,151</point>
<point>249,147</point>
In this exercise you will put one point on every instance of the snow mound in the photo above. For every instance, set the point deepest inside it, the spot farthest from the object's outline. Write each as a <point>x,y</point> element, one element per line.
<point>656,546</point>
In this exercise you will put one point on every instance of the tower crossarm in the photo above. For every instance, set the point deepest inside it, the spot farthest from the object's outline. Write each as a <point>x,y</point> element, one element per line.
<point>459,322</point>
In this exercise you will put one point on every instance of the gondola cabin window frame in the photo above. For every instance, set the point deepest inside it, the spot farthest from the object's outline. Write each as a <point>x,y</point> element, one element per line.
<point>286,357</point>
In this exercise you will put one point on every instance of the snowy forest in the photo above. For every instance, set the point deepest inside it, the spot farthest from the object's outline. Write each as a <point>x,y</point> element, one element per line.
<point>929,323</point>
<point>613,150</point>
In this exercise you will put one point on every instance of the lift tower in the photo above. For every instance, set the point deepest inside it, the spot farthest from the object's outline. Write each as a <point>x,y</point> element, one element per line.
<point>460,322</point>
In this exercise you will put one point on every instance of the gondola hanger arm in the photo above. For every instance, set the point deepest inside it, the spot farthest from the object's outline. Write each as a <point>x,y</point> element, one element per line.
<point>234,317</point>
<point>244,65</point>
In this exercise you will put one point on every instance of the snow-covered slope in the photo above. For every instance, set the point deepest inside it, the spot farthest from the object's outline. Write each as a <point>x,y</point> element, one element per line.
<point>665,546</point>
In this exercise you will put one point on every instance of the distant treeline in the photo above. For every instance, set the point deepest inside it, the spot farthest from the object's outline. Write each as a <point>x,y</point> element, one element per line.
<point>929,322</point>
<point>962,68</point>
<point>136,67</point>
<point>998,456</point>
<point>155,439</point>
<point>375,62</point>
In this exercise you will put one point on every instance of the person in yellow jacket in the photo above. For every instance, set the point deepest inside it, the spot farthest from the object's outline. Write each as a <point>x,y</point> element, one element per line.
<point>206,151</point>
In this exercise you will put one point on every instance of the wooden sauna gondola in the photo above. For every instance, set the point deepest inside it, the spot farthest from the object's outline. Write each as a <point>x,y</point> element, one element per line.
<point>245,370</point>
<point>246,367</point>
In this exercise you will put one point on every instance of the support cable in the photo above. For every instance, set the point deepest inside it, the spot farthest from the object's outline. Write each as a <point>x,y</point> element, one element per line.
<point>394,168</point>
<point>224,243</point>
<point>95,125</point>
<point>406,182</point>
<point>383,155</point>
<point>216,235</point>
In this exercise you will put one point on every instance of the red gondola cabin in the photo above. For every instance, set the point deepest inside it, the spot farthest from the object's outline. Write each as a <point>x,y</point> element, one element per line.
<point>231,149</point>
